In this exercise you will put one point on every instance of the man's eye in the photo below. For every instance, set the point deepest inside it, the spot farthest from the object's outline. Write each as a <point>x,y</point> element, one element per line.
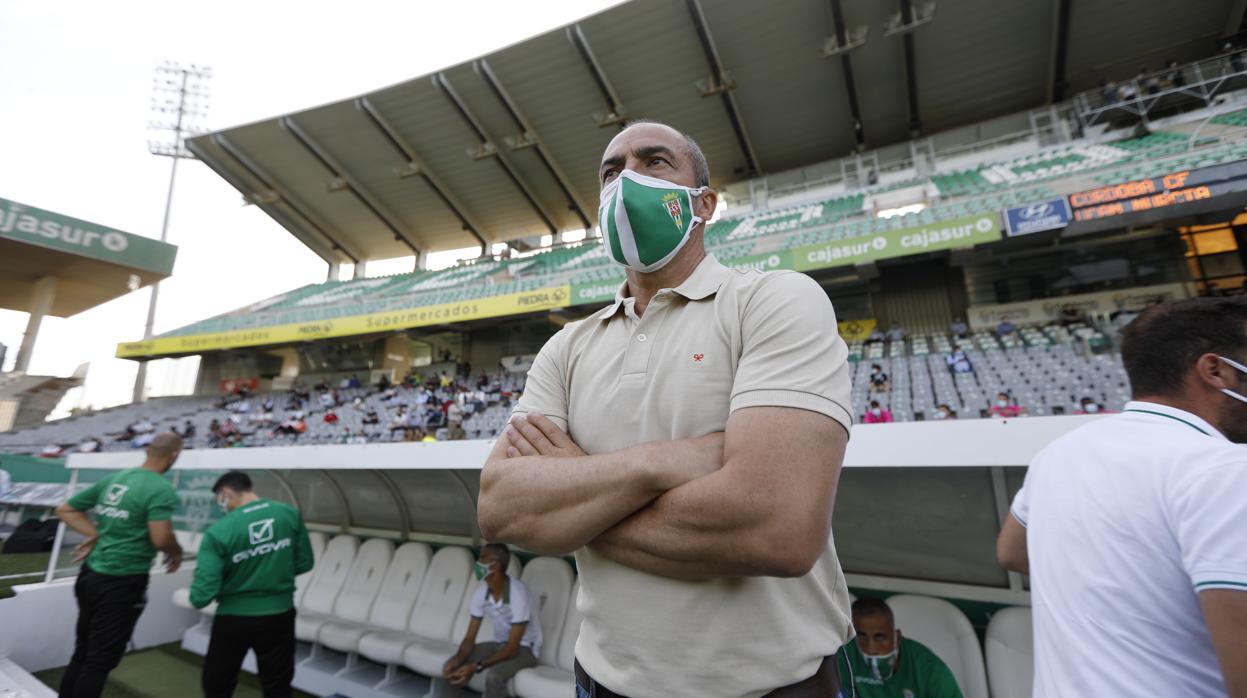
<point>654,161</point>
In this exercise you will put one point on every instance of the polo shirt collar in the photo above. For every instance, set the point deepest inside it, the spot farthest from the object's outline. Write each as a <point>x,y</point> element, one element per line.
<point>1177,416</point>
<point>702,283</point>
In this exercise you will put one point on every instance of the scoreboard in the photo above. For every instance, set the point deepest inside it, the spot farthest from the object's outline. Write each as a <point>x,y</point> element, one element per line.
<point>1175,188</point>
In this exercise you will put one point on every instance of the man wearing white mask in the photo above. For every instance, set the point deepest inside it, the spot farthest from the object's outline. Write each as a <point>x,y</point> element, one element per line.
<point>685,443</point>
<point>885,664</point>
<point>247,563</point>
<point>1133,527</point>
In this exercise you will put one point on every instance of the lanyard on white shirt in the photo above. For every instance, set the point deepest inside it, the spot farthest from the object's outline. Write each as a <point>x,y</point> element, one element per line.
<point>1169,416</point>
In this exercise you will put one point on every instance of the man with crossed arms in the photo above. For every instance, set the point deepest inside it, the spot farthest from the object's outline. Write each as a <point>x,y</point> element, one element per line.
<point>686,443</point>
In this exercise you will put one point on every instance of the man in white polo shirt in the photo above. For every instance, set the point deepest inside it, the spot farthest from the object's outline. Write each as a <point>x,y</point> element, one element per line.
<point>686,443</point>
<point>1134,527</point>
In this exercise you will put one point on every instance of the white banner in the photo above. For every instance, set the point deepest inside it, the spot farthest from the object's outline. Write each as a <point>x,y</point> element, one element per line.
<point>986,317</point>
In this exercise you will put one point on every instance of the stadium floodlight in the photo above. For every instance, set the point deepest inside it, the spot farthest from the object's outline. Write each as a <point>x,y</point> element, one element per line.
<point>179,99</point>
<point>854,38</point>
<point>920,15</point>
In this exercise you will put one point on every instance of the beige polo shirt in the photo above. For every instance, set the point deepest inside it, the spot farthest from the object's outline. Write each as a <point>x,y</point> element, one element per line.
<point>723,340</point>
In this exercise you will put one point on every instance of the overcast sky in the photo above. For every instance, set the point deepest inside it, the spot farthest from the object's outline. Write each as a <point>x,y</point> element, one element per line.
<point>75,90</point>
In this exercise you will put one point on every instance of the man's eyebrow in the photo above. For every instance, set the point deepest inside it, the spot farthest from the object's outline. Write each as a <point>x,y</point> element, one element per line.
<point>648,151</point>
<point>614,160</point>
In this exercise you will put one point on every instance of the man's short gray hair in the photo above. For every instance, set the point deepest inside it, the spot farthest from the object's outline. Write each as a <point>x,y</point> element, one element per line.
<point>701,169</point>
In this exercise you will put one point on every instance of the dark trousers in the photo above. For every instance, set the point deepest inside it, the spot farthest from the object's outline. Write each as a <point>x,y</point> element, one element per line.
<point>108,607</point>
<point>272,638</point>
<point>825,683</point>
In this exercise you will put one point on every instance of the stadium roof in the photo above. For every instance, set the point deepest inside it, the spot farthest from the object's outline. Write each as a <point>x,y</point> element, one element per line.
<point>507,146</point>
<point>92,264</point>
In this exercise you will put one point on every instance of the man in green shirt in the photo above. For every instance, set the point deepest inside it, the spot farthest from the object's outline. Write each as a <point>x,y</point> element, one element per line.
<point>885,665</point>
<point>133,512</point>
<point>247,563</point>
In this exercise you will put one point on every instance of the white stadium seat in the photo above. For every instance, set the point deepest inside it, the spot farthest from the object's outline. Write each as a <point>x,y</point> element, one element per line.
<point>554,679</point>
<point>394,601</point>
<point>1010,649</point>
<point>434,613</point>
<point>550,582</point>
<point>330,577</point>
<point>946,632</point>
<point>317,539</point>
<point>354,602</point>
<point>426,655</point>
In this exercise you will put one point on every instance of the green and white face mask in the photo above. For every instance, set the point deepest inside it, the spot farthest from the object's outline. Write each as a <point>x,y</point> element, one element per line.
<point>646,221</point>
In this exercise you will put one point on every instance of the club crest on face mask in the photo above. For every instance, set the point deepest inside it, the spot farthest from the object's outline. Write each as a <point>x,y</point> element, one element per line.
<point>646,221</point>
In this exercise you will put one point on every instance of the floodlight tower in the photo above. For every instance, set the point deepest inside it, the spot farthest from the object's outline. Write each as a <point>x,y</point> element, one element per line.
<point>179,98</point>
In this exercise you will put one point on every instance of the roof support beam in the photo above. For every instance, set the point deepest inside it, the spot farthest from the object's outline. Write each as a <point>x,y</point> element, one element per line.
<point>326,160</point>
<point>417,164</point>
<point>488,149</point>
<point>722,84</point>
<point>1058,80</point>
<point>846,67</point>
<point>615,112</point>
<point>529,134</point>
<point>282,196</point>
<point>911,71</point>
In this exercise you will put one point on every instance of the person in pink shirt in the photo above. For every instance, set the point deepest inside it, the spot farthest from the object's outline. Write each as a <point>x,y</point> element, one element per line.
<point>1005,407</point>
<point>876,414</point>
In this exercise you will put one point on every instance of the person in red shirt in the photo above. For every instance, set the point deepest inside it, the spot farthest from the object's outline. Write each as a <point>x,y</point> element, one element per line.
<point>876,414</point>
<point>1005,407</point>
<point>331,417</point>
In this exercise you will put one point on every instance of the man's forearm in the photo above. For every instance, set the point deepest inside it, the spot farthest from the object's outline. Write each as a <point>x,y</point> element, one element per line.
<point>554,505</point>
<point>77,521</point>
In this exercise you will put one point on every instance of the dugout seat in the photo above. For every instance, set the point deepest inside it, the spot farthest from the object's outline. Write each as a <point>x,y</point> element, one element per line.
<point>354,602</point>
<point>317,539</point>
<point>426,655</point>
<point>1010,649</point>
<point>946,632</point>
<point>554,677</point>
<point>433,615</point>
<point>331,575</point>
<point>393,604</point>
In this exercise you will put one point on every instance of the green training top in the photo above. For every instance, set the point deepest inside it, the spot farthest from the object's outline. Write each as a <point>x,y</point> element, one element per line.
<point>124,503</point>
<point>919,674</point>
<point>248,560</point>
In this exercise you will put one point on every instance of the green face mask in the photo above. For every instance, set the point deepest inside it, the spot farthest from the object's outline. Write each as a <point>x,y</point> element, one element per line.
<point>482,571</point>
<point>645,221</point>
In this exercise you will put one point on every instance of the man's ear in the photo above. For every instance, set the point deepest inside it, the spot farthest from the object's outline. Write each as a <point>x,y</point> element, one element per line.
<point>705,203</point>
<point>1213,372</point>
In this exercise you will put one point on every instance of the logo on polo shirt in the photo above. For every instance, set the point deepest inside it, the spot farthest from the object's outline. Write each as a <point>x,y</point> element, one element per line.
<point>260,531</point>
<point>114,494</point>
<point>697,358</point>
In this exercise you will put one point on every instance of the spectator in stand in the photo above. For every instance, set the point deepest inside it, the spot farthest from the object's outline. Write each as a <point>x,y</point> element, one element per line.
<point>331,417</point>
<point>1127,91</point>
<point>326,399</point>
<point>144,426</point>
<point>383,383</point>
<point>1071,315</point>
<point>876,336</point>
<point>215,437</point>
<point>1152,84</point>
<point>295,402</point>
<point>445,381</point>
<point>884,664</point>
<point>876,414</point>
<point>344,383</point>
<point>188,431</point>
<point>353,382</point>
<point>321,387</point>
<point>371,417</point>
<point>879,381</point>
<point>482,382</point>
<point>958,328</point>
<point>421,397</point>
<point>959,362</point>
<point>242,406</point>
<point>1005,328</point>
<point>1175,78</point>
<point>142,440</point>
<point>1089,406</point>
<point>896,333</point>
<point>52,451</point>
<point>1109,91</point>
<point>400,421</point>
<point>454,414</point>
<point>1004,406</point>
<point>268,405</point>
<point>90,445</point>
<point>943,412</point>
<point>337,397</point>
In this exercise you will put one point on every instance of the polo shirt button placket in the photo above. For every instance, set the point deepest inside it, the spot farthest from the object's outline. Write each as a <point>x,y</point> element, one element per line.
<point>641,337</point>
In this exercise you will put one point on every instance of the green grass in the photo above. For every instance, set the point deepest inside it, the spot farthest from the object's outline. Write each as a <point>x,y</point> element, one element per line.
<point>158,672</point>
<point>21,563</point>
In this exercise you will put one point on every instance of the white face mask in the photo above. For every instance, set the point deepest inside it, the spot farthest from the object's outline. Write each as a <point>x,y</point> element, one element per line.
<point>882,665</point>
<point>876,411</point>
<point>940,415</point>
<point>1091,408</point>
<point>1241,369</point>
<point>646,221</point>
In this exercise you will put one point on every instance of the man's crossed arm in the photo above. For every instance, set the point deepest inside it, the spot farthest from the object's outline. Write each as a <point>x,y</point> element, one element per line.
<point>756,500</point>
